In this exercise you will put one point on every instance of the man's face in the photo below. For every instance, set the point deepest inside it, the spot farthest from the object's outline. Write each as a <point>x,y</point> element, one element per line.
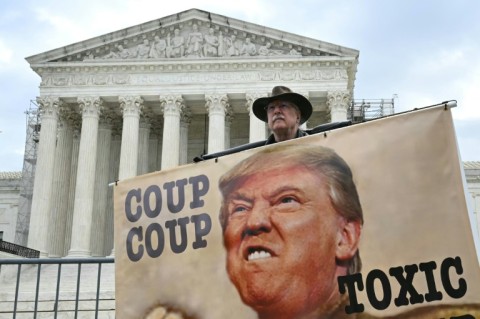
<point>282,115</point>
<point>281,239</point>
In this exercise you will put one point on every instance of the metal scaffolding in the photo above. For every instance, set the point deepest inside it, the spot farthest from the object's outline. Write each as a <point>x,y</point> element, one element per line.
<point>28,174</point>
<point>369,109</point>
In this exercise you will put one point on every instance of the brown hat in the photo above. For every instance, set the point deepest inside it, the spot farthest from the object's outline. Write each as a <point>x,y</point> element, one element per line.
<point>285,94</point>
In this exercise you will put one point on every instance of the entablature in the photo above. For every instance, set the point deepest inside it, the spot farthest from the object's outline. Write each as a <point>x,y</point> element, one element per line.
<point>94,75</point>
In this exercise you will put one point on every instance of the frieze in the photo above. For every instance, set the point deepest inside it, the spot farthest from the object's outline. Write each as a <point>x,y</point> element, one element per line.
<point>193,77</point>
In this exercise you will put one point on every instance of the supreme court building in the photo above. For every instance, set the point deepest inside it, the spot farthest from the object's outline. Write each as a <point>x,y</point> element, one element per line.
<point>154,96</point>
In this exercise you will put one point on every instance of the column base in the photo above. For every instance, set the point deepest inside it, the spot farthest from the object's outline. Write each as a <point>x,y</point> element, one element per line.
<point>78,253</point>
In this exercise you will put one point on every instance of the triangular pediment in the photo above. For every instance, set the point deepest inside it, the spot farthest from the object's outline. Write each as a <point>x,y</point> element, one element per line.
<point>192,34</point>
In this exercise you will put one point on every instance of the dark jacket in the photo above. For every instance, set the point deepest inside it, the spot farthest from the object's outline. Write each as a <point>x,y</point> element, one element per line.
<point>271,138</point>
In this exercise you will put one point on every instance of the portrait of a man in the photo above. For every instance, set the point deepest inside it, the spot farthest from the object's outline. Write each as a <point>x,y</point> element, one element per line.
<point>291,220</point>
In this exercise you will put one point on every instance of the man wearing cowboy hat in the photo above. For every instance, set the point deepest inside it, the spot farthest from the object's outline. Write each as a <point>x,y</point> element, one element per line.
<point>284,111</point>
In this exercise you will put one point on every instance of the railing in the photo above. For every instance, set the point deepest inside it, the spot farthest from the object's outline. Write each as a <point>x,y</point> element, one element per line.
<point>18,250</point>
<point>364,110</point>
<point>50,303</point>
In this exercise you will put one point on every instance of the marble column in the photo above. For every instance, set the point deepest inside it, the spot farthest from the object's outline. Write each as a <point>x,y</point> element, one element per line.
<point>143,142</point>
<point>304,126</point>
<point>216,105</point>
<point>154,154</point>
<point>131,107</point>
<point>113,176</point>
<point>61,183</point>
<point>185,119</point>
<point>101,185</point>
<point>257,127</point>
<point>338,103</point>
<point>85,187</point>
<point>172,107</point>
<point>42,189</point>
<point>152,151</point>
<point>228,123</point>
<point>71,187</point>
<point>159,150</point>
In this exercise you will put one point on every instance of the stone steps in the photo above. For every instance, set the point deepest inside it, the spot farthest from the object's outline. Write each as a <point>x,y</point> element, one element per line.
<point>67,291</point>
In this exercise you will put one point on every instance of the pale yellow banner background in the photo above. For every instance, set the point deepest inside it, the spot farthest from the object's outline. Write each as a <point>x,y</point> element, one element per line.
<point>409,180</point>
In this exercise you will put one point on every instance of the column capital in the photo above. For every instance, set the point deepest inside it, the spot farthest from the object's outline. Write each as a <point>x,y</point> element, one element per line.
<point>251,97</point>
<point>107,118</point>
<point>216,103</point>
<point>66,116</point>
<point>338,103</point>
<point>186,116</point>
<point>172,104</point>
<point>131,105</point>
<point>90,106</point>
<point>117,128</point>
<point>229,114</point>
<point>157,127</point>
<point>338,99</point>
<point>147,116</point>
<point>49,106</point>
<point>145,124</point>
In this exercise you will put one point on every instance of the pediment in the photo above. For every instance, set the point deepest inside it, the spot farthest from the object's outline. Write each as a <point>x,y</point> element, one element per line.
<point>192,34</point>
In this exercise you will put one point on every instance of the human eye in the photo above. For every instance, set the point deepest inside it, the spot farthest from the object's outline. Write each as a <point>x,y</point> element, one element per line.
<point>236,208</point>
<point>287,203</point>
<point>287,200</point>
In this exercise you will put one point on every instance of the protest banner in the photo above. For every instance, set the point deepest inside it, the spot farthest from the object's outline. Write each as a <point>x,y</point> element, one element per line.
<point>416,246</point>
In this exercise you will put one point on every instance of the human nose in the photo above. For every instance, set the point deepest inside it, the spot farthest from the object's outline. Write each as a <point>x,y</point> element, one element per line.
<point>258,221</point>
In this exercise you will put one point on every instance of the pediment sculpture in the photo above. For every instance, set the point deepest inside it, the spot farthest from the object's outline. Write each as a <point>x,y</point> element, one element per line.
<point>194,42</point>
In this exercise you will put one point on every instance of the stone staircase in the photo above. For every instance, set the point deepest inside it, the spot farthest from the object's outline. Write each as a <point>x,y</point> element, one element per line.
<point>67,292</point>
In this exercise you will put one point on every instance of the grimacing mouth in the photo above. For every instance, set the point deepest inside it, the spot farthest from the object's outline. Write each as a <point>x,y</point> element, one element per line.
<point>257,252</point>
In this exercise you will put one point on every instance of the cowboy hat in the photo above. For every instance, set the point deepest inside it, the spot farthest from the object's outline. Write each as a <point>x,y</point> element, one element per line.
<point>285,94</point>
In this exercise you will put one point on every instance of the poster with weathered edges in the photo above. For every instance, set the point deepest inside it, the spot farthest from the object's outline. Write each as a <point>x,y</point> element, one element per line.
<point>366,221</point>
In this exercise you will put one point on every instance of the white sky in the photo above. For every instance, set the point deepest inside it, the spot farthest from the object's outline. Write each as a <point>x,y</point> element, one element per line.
<point>425,51</point>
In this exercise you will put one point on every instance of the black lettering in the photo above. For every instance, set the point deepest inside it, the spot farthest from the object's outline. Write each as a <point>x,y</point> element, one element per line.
<point>433,294</point>
<point>171,224</point>
<point>447,284</point>
<point>160,244</point>
<point>386,288</point>
<point>406,285</point>
<point>172,207</point>
<point>349,281</point>
<point>197,190</point>
<point>134,193</point>
<point>201,231</point>
<point>134,256</point>
<point>153,189</point>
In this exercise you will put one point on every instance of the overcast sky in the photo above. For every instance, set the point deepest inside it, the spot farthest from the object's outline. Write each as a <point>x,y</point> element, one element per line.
<point>424,51</point>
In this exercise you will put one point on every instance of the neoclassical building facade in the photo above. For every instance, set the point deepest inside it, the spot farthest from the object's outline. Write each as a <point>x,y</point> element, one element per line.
<point>154,96</point>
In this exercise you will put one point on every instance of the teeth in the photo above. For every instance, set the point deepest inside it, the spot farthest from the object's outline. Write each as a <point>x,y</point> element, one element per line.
<point>258,255</point>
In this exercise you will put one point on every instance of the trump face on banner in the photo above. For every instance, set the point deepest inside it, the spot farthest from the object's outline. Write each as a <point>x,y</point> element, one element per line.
<point>291,221</point>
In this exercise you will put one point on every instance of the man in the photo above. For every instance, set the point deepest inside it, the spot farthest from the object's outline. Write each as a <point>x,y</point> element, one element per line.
<point>284,111</point>
<point>291,221</point>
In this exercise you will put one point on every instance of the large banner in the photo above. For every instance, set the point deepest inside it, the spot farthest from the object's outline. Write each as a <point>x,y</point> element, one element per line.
<point>367,221</point>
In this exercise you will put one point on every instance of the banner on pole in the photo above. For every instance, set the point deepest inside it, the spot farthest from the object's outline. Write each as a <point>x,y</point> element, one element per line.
<point>367,221</point>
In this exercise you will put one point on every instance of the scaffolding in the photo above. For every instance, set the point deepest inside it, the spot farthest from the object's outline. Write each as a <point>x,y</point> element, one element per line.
<point>28,174</point>
<point>369,109</point>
